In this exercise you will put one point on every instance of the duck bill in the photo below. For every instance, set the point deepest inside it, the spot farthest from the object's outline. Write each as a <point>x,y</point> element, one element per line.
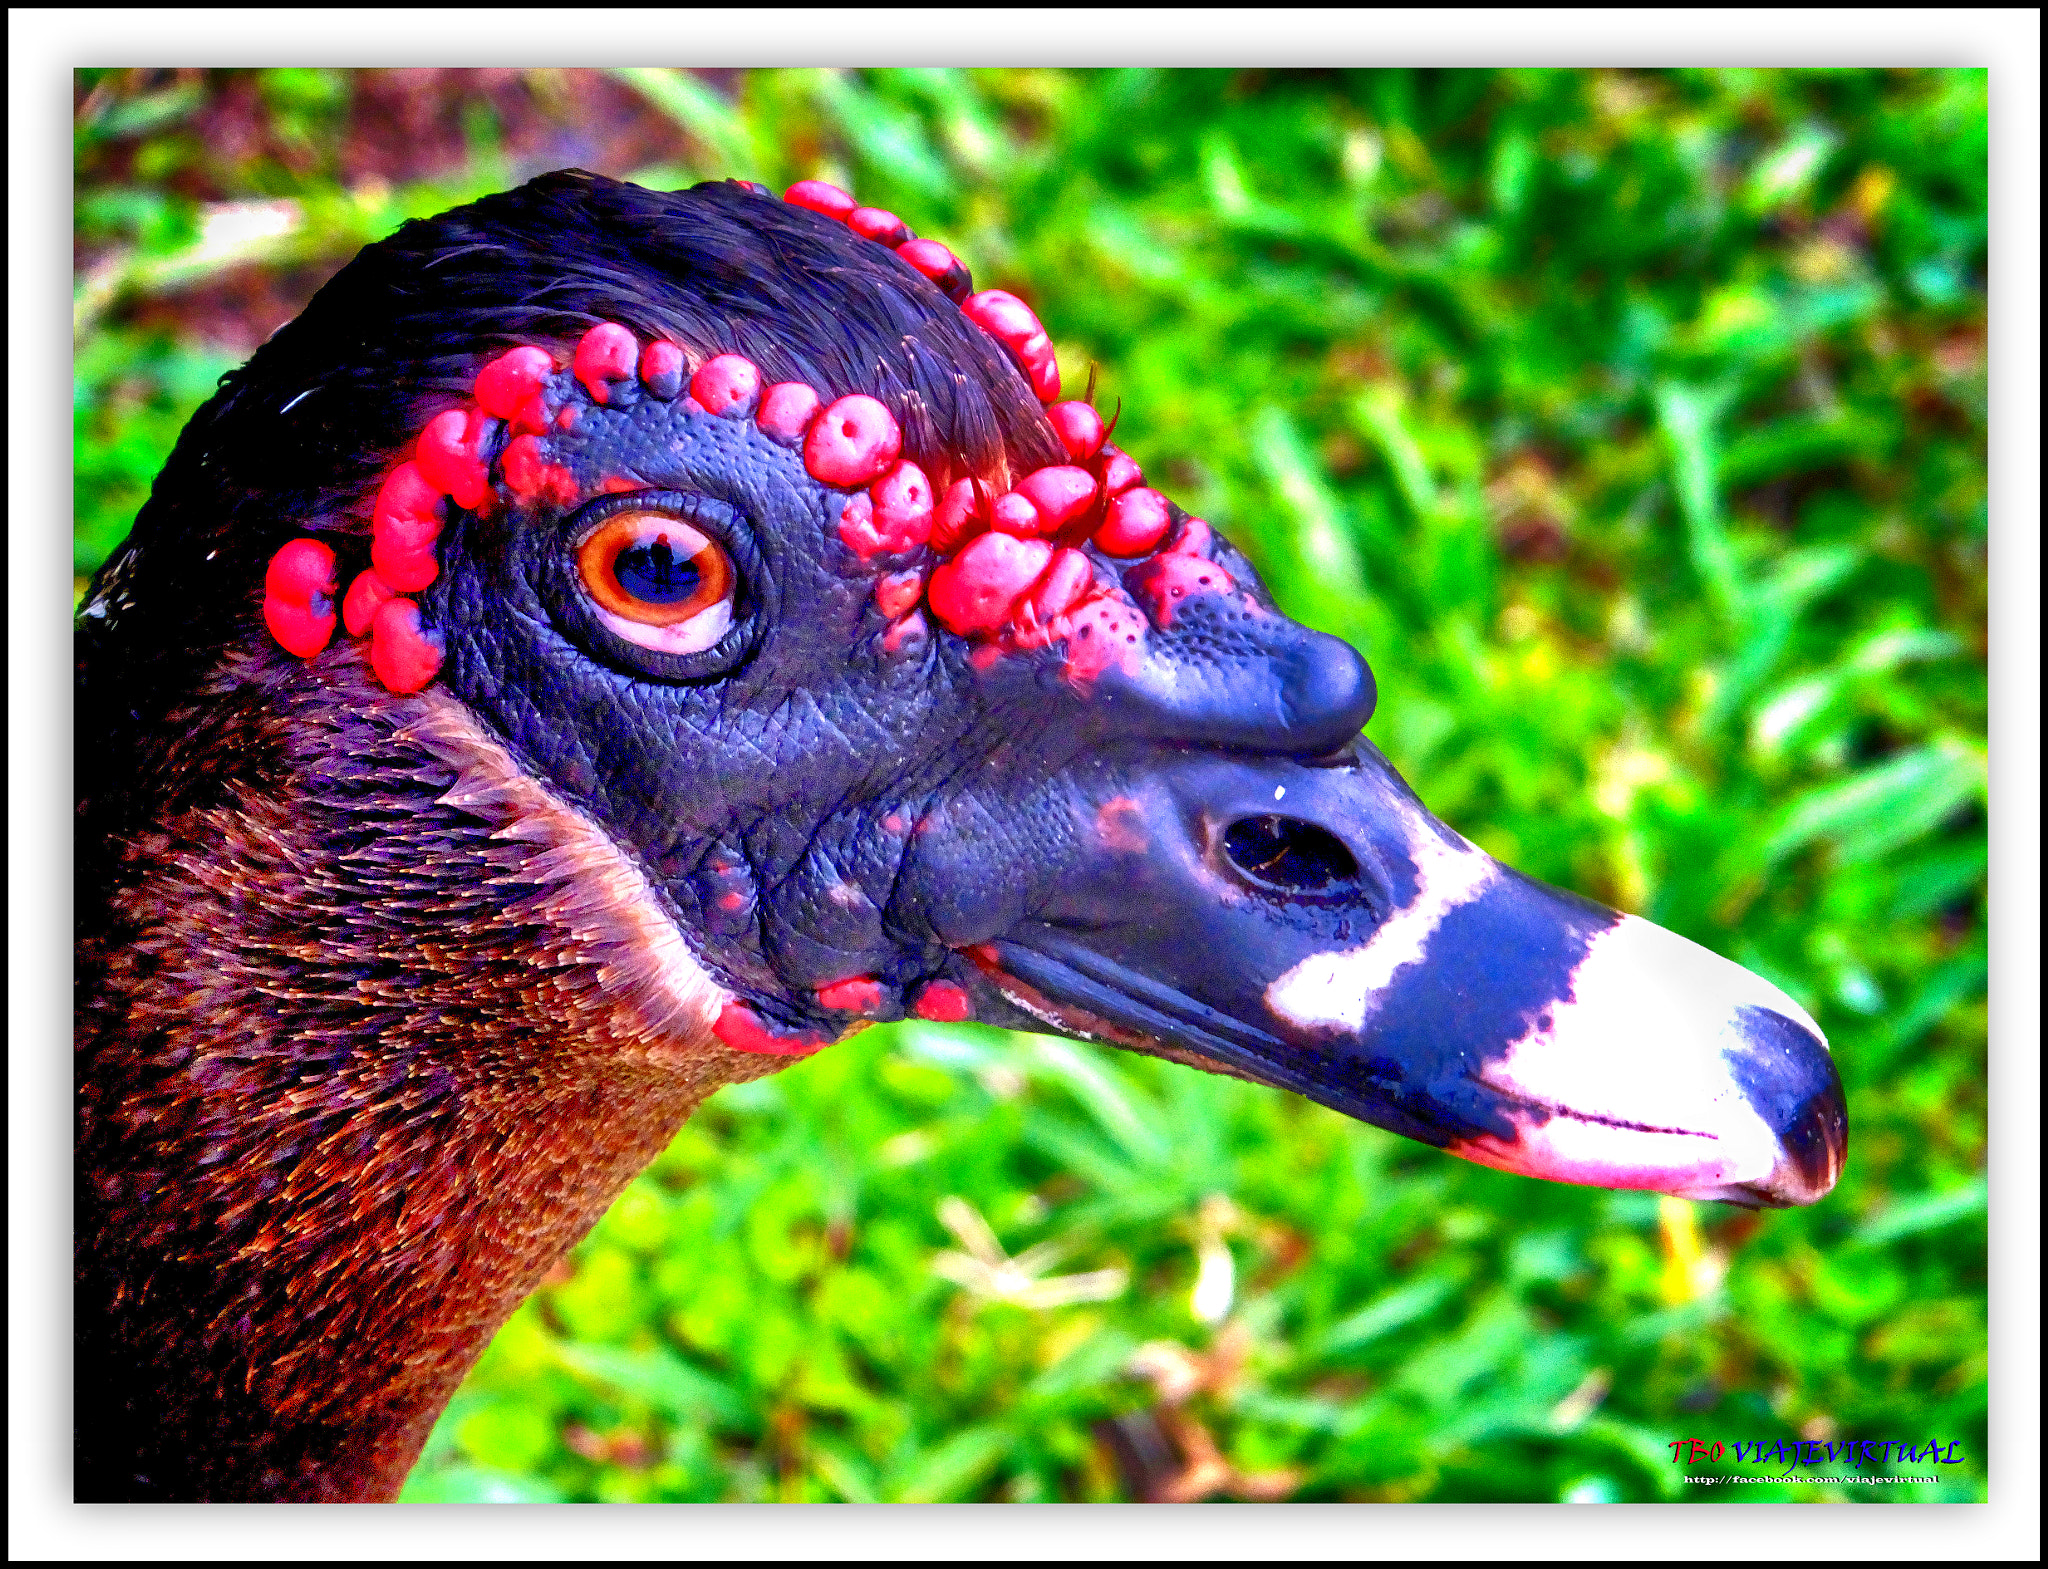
<point>1315,928</point>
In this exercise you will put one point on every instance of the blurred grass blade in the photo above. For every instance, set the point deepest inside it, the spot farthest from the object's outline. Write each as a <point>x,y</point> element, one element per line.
<point>1909,1217</point>
<point>1378,413</point>
<point>1802,576</point>
<point>975,137</point>
<point>1328,557</point>
<point>1104,1099</point>
<point>1801,444</point>
<point>1390,1311</point>
<point>106,117</point>
<point>1789,168</point>
<point>660,1378</point>
<point>884,134</point>
<point>1884,807</point>
<point>1961,980</point>
<point>1687,416</point>
<point>950,1471</point>
<point>718,125</point>
<point>231,234</point>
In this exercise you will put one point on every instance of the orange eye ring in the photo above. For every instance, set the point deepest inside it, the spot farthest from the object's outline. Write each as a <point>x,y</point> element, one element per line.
<point>652,570</point>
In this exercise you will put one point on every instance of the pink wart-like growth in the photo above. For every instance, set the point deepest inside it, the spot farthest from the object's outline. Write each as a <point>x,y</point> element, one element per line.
<point>727,385</point>
<point>1011,322</point>
<point>1103,633</point>
<point>1136,523</point>
<point>897,518</point>
<point>852,442</point>
<point>510,387</point>
<point>366,596</point>
<point>786,412</point>
<point>975,591</point>
<point>1065,584</point>
<point>929,257</point>
<point>405,523</point>
<point>607,353</point>
<point>1080,428</point>
<point>661,369</point>
<point>1015,514</point>
<point>958,516</point>
<point>822,198</point>
<point>1120,472</point>
<point>905,632</point>
<point>880,225</point>
<point>298,597</point>
<point>450,457</point>
<point>897,592</point>
<point>405,655</point>
<point>1169,579</point>
<point>1061,495</point>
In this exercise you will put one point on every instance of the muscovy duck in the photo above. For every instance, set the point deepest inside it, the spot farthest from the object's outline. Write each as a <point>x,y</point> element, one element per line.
<point>613,644</point>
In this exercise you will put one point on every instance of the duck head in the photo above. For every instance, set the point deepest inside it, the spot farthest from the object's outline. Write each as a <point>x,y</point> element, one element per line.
<point>731,558</point>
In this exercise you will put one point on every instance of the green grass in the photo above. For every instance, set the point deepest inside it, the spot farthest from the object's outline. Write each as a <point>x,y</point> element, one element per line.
<point>1634,426</point>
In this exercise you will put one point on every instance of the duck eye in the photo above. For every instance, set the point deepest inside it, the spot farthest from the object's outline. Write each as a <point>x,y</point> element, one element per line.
<point>656,581</point>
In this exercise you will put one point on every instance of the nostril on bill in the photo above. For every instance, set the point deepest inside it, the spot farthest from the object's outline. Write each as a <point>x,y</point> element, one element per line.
<point>1287,856</point>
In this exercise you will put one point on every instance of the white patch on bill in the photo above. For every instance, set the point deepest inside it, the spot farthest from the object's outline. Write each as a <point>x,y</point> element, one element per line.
<point>1633,1068</point>
<point>1339,989</point>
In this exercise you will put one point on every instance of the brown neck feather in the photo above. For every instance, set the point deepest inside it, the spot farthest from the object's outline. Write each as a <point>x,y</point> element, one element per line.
<point>372,1028</point>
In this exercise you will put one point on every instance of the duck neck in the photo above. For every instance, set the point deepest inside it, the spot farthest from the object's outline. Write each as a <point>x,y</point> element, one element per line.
<point>372,1027</point>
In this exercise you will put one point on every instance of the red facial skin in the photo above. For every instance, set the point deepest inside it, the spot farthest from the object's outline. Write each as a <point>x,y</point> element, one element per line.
<point>528,473</point>
<point>741,1028</point>
<point>402,653</point>
<point>854,994</point>
<point>607,353</point>
<point>787,409</point>
<point>1001,581</point>
<point>727,385</point>
<point>943,1002</point>
<point>852,442</point>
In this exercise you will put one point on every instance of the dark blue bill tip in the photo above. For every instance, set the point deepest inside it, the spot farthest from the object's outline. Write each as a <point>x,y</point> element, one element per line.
<point>1790,1079</point>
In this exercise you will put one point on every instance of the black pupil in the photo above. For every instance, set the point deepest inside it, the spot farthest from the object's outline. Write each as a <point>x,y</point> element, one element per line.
<point>654,574</point>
